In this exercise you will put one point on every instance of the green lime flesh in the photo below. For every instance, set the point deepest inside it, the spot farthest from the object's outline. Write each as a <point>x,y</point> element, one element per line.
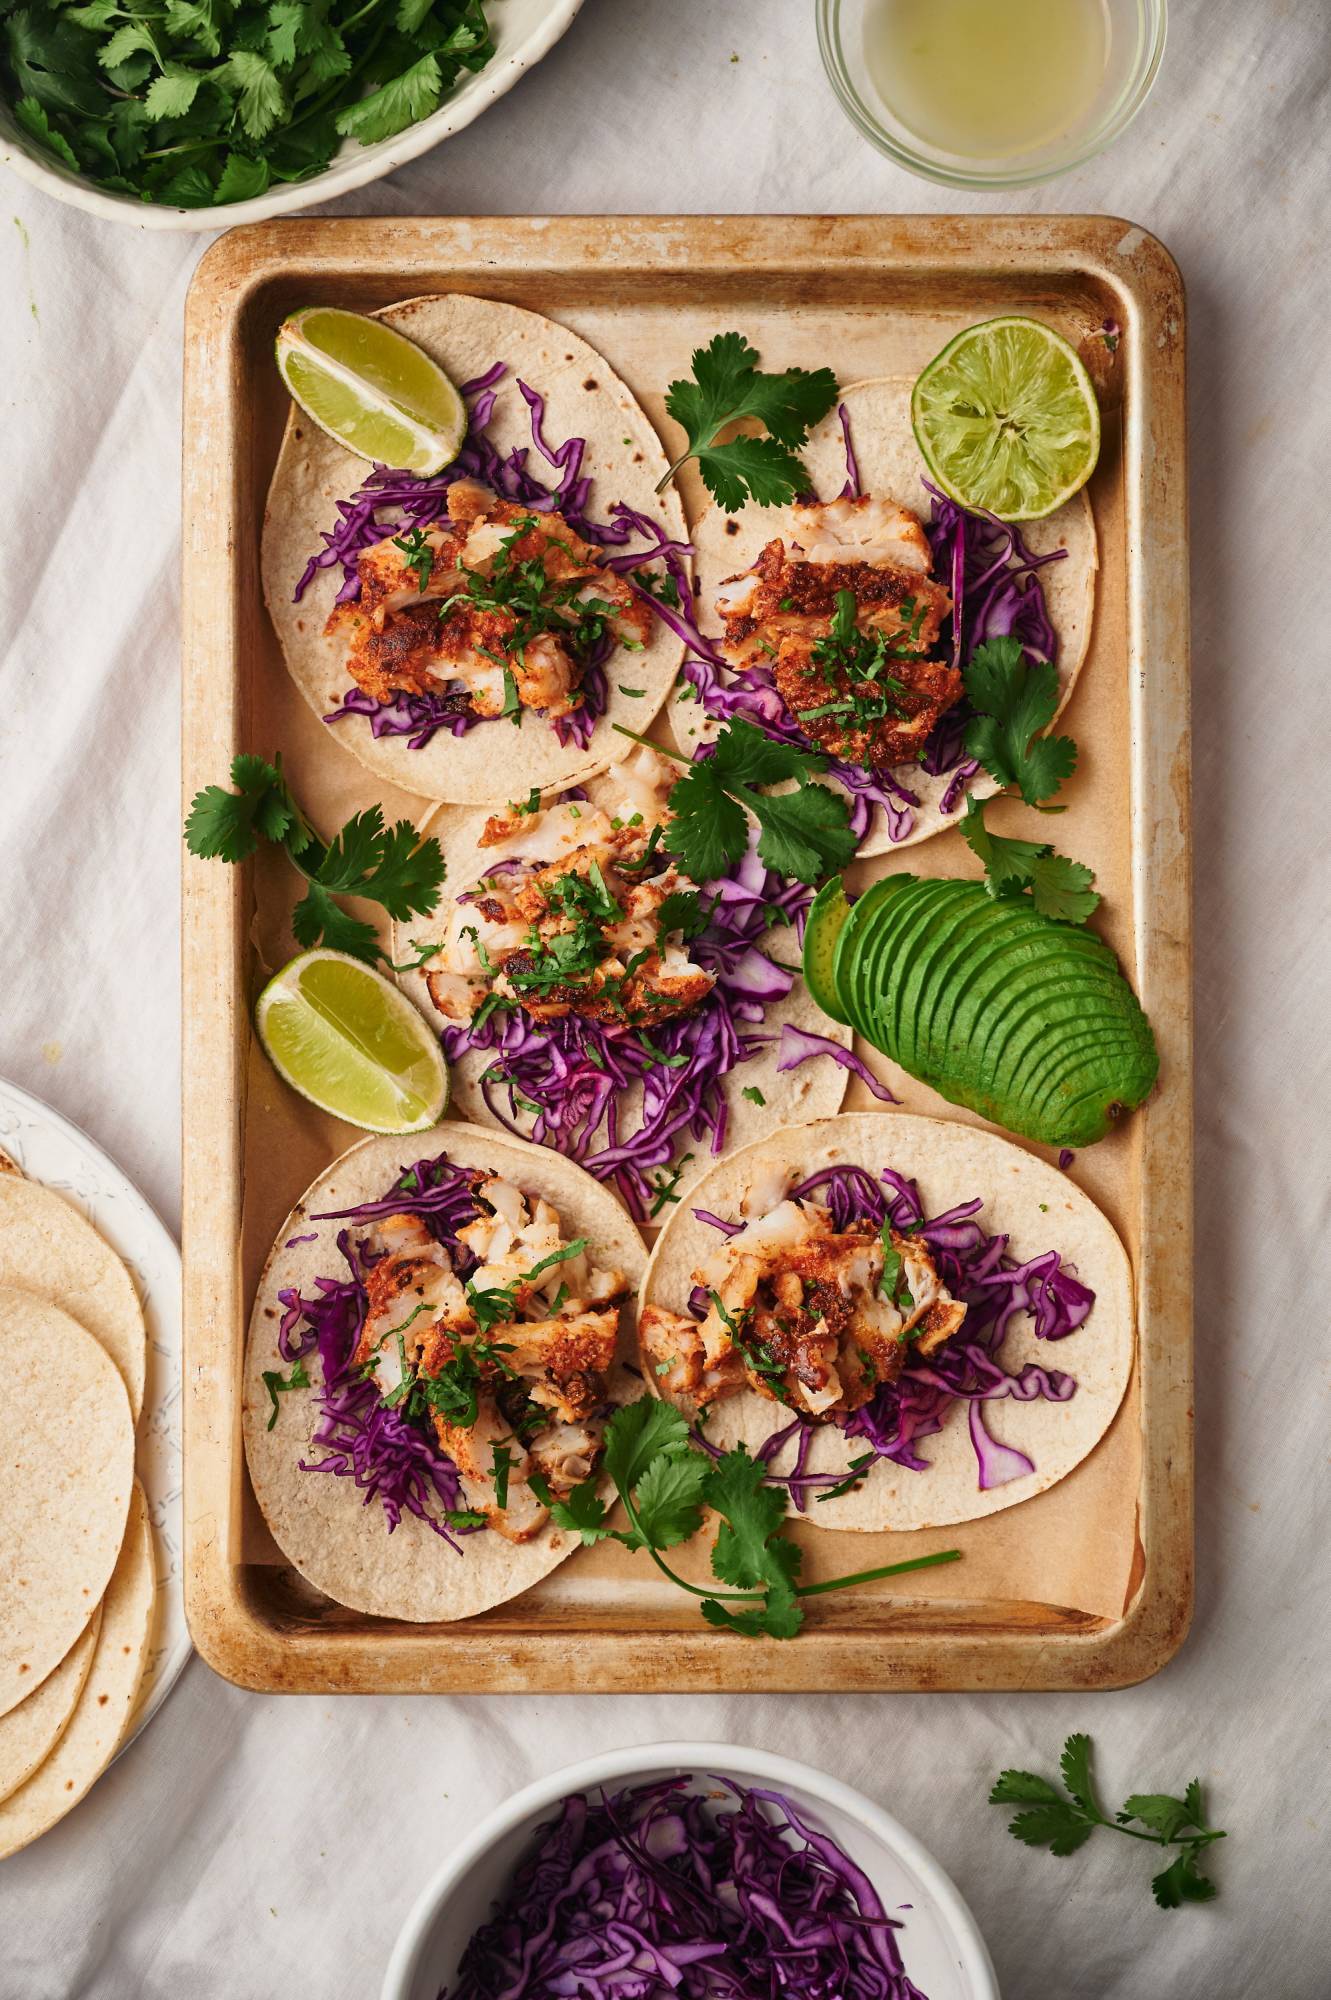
<point>1006,418</point>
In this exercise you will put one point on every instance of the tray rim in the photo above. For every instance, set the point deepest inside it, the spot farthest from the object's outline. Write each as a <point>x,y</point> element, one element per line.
<point>987,1645</point>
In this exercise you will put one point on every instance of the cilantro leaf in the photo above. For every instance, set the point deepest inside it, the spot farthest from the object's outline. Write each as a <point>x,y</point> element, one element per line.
<point>394,866</point>
<point>668,1499</point>
<point>30,115</point>
<point>1075,1764</point>
<point>394,105</point>
<point>709,831</point>
<point>261,102</point>
<point>1063,1822</point>
<point>242,178</point>
<point>1022,1788</point>
<point>1183,1882</point>
<point>1014,699</point>
<point>582,1512</point>
<point>638,1433</point>
<point>1060,1827</point>
<point>1164,1815</point>
<point>228,826</point>
<point>1059,888</point>
<point>317,919</point>
<point>750,468</point>
<point>727,387</point>
<point>805,834</point>
<point>682,911</point>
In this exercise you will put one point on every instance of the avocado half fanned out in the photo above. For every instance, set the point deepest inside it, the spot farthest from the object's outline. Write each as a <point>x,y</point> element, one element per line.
<point>1024,1019</point>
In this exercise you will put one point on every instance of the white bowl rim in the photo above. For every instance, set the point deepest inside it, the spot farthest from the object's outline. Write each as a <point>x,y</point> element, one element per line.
<point>356,169</point>
<point>647,1760</point>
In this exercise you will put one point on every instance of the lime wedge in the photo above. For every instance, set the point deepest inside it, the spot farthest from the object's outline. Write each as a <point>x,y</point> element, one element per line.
<point>346,1039</point>
<point>1006,418</point>
<point>372,389</point>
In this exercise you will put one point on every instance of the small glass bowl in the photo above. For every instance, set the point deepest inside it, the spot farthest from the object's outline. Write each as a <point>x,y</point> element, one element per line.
<point>1136,45</point>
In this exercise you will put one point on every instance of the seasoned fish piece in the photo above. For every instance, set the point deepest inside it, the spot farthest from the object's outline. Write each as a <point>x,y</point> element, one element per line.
<point>886,719</point>
<point>846,621</point>
<point>865,529</point>
<point>499,603</point>
<point>801,1313</point>
<point>578,932</point>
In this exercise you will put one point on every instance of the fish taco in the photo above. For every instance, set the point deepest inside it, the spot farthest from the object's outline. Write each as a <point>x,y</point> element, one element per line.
<point>498,616</point>
<point>435,1346</point>
<point>909,1321</point>
<point>844,624</point>
<point>594,996</point>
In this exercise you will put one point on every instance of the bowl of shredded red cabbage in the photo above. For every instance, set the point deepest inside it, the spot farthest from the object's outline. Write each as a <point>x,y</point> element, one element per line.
<point>690,1872</point>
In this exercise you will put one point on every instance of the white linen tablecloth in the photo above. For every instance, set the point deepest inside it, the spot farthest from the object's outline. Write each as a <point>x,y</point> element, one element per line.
<point>248,1846</point>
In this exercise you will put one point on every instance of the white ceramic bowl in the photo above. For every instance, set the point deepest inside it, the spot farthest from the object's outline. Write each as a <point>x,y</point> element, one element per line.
<point>942,1950</point>
<point>524,31</point>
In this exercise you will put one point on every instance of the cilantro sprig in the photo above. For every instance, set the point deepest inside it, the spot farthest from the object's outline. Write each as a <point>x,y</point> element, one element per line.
<point>391,865</point>
<point>805,834</point>
<point>1064,1820</point>
<point>202,102</point>
<point>727,387</point>
<point>1029,871</point>
<point>1014,699</point>
<point>664,1484</point>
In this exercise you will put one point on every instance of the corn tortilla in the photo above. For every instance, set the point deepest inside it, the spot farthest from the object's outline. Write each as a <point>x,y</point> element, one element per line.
<point>1037,1208</point>
<point>340,1545</point>
<point>890,466</point>
<point>106,1705</point>
<point>66,1470</point>
<point>584,398</point>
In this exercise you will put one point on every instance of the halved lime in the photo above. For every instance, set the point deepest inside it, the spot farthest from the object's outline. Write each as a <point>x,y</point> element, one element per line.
<point>372,389</point>
<point>346,1039</point>
<point>1006,418</point>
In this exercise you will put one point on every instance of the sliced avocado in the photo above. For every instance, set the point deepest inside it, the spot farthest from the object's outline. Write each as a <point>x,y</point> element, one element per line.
<point>896,965</point>
<point>1027,1021</point>
<point>865,911</point>
<point>822,927</point>
<point>1058,1057</point>
<point>985,961</point>
<point>1077,1113</point>
<point>1128,1072</point>
<point>1059,991</point>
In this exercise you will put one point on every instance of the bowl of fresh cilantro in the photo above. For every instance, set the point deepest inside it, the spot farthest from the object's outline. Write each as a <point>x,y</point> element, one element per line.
<point>199,113</point>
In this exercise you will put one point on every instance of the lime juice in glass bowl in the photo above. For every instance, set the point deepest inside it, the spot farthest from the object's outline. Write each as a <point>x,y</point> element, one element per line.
<point>991,93</point>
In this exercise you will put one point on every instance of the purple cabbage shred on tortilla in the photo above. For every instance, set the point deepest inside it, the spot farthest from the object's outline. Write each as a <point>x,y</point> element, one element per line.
<point>993,577</point>
<point>658,1893</point>
<point>390,1458</point>
<point>571,1075</point>
<point>392,501</point>
<point>975,1267</point>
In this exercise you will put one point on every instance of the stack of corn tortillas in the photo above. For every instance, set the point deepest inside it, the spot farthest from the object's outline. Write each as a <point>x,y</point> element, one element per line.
<point>77,1564</point>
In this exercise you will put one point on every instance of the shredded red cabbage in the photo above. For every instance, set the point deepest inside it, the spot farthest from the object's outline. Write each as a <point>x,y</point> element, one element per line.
<point>570,1075</point>
<point>975,1267</point>
<point>798,1046</point>
<point>392,500</point>
<point>657,1893</point>
<point>391,1459</point>
<point>993,578</point>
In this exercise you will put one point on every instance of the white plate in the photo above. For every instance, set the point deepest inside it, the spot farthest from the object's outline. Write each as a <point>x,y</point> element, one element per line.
<point>51,1150</point>
<point>523,31</point>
